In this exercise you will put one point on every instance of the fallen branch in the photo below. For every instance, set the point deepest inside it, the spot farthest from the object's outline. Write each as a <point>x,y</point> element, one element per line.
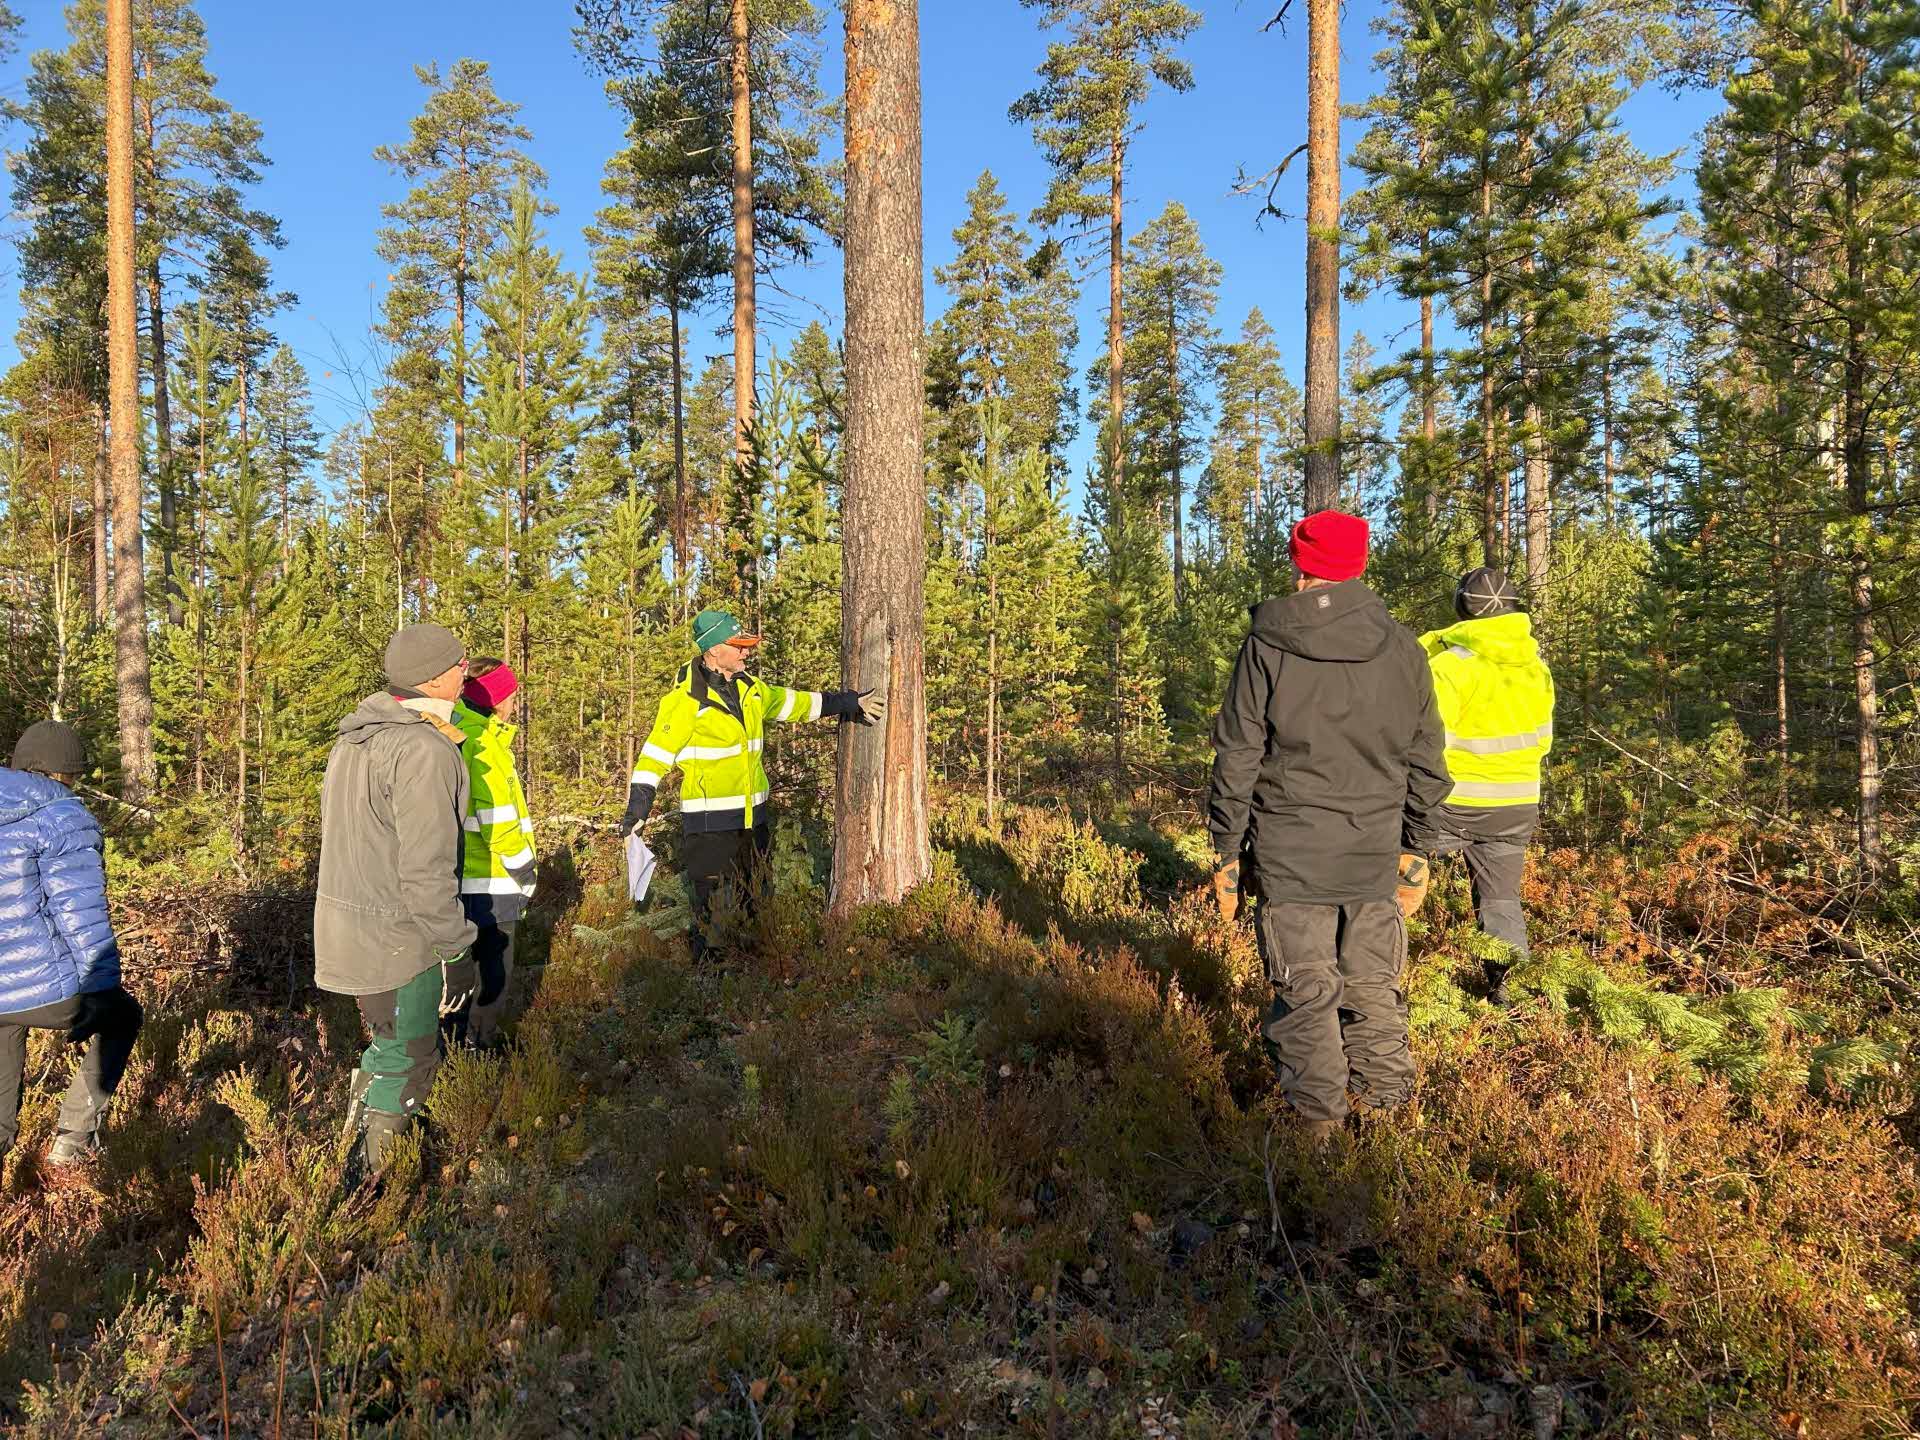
<point>1850,950</point>
<point>1740,810</point>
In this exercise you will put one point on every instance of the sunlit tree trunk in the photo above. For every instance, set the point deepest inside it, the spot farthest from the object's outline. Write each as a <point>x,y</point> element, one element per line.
<point>131,671</point>
<point>881,799</point>
<point>1323,255</point>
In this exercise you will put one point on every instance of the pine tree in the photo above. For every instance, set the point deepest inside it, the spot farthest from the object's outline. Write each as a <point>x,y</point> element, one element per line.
<point>727,96</point>
<point>289,444</point>
<point>1092,84</point>
<point>1009,333</point>
<point>1810,194</point>
<point>1248,495</point>
<point>662,242</point>
<point>1171,289</point>
<point>195,154</point>
<point>463,158</point>
<point>1504,216</point>
<point>537,376</point>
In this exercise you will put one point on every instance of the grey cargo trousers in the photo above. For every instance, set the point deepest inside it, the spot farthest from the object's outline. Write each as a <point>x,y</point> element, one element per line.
<point>1494,840</point>
<point>1339,1016</point>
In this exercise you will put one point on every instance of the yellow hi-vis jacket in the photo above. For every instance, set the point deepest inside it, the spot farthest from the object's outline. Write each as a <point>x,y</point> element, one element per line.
<point>716,739</point>
<point>1496,701</point>
<point>496,846</point>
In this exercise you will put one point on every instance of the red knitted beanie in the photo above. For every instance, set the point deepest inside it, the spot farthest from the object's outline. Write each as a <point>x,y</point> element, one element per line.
<point>1329,545</point>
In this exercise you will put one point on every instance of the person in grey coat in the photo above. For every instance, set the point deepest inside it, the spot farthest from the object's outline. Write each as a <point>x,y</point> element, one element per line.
<point>388,926</point>
<point>1327,744</point>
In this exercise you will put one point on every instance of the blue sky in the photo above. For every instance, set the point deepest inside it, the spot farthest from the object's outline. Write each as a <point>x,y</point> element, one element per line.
<point>329,83</point>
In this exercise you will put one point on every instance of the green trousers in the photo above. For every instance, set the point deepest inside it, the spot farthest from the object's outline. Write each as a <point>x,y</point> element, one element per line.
<point>404,1054</point>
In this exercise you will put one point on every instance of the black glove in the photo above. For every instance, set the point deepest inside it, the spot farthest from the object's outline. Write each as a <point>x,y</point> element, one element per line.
<point>639,805</point>
<point>459,978</point>
<point>90,1013</point>
<point>845,705</point>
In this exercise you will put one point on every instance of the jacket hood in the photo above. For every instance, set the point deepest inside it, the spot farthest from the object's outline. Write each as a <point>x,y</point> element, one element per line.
<point>1503,639</point>
<point>374,713</point>
<point>1344,622</point>
<point>22,792</point>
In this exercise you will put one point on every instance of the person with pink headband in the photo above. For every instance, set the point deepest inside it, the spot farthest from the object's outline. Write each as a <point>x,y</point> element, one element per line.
<point>497,862</point>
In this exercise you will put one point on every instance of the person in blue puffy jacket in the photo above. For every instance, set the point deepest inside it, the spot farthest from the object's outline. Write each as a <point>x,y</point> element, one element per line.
<point>59,962</point>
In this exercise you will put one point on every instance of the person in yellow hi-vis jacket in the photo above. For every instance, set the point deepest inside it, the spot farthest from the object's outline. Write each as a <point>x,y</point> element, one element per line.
<point>711,725</point>
<point>1495,695</point>
<point>496,841</point>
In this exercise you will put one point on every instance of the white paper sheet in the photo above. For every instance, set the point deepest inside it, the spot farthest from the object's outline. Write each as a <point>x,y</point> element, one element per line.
<point>640,867</point>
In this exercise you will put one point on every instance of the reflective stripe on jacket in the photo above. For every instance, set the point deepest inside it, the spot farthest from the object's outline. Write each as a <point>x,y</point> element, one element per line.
<point>1496,701</point>
<point>716,739</point>
<point>496,842</point>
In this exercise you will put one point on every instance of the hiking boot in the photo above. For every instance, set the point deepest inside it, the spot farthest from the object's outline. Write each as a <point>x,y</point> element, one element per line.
<point>73,1147</point>
<point>367,1161</point>
<point>1317,1132</point>
<point>1497,993</point>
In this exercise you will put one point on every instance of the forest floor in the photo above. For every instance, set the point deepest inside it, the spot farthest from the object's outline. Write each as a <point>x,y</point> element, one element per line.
<point>1004,1160</point>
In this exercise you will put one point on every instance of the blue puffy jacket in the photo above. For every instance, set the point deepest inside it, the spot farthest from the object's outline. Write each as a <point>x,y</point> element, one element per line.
<point>55,938</point>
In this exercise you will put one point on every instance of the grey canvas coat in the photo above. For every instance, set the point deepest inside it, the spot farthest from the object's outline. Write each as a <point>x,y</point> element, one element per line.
<point>390,814</point>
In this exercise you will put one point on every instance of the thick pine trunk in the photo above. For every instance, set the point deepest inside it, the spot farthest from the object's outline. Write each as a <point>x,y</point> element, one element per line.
<point>131,672</point>
<point>739,84</point>
<point>1323,255</point>
<point>881,848</point>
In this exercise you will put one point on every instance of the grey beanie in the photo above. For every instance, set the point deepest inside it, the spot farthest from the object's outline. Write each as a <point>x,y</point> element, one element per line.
<point>1484,592</point>
<point>418,653</point>
<point>51,749</point>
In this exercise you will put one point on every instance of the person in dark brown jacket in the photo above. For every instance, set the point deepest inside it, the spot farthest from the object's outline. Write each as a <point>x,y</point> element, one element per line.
<point>1328,750</point>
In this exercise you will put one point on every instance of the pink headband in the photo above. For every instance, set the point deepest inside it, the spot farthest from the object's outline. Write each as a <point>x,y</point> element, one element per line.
<point>488,690</point>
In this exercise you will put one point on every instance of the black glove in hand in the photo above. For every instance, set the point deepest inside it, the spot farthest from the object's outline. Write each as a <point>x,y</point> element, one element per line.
<point>639,804</point>
<point>90,1010</point>
<point>459,978</point>
<point>855,705</point>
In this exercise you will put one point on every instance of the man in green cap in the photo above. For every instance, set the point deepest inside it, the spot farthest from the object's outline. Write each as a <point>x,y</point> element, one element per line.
<point>711,725</point>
